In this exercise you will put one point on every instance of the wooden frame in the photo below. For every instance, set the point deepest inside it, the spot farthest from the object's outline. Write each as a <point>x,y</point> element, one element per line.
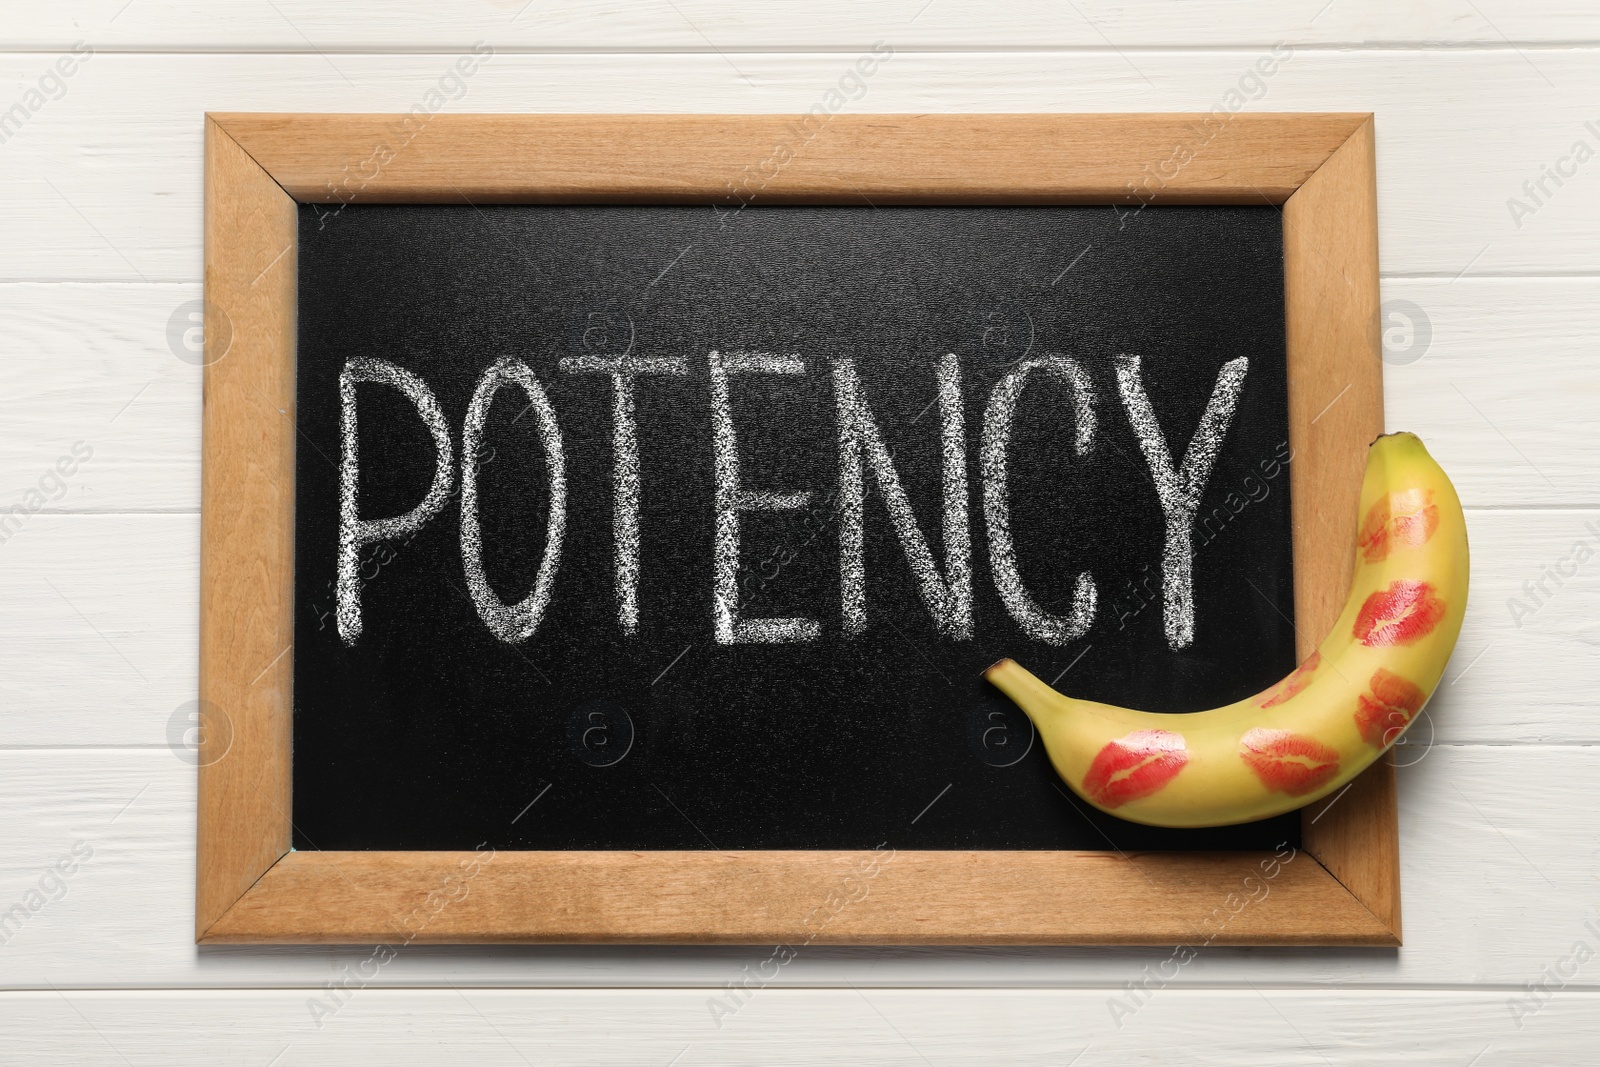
<point>1342,889</point>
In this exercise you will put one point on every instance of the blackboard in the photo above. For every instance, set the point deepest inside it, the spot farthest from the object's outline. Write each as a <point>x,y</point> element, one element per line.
<point>427,730</point>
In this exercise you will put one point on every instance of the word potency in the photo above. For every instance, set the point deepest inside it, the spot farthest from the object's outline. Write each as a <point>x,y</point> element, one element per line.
<point>945,587</point>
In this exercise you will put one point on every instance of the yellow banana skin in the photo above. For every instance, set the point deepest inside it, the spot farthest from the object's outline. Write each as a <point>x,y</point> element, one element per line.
<point>1308,736</point>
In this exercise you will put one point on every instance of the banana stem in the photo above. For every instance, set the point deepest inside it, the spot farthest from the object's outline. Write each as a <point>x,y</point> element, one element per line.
<point>1030,694</point>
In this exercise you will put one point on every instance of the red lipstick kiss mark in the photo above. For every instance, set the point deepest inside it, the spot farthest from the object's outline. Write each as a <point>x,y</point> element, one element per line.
<point>1289,763</point>
<point>1294,683</point>
<point>1406,519</point>
<point>1405,612</point>
<point>1133,767</point>
<point>1388,709</point>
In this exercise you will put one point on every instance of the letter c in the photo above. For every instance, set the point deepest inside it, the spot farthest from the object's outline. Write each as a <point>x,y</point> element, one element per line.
<point>1034,620</point>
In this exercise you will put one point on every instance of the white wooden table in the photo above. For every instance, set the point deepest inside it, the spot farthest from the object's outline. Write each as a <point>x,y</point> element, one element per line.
<point>1495,361</point>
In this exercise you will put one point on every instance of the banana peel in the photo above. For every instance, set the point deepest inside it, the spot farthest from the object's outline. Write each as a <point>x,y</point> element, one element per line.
<point>1307,736</point>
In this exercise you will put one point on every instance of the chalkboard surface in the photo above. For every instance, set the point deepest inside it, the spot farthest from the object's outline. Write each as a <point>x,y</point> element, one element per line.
<point>534,686</point>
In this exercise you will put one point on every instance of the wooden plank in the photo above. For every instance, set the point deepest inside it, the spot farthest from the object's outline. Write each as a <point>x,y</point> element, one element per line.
<point>1330,260</point>
<point>247,535</point>
<point>512,1028</point>
<point>98,630</point>
<point>135,580</point>
<point>705,26</point>
<point>78,354</point>
<point>134,116</point>
<point>1482,829</point>
<point>115,367</point>
<point>1498,378</point>
<point>812,158</point>
<point>824,898</point>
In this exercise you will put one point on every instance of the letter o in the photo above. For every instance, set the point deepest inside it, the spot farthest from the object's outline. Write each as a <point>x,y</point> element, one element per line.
<point>511,622</point>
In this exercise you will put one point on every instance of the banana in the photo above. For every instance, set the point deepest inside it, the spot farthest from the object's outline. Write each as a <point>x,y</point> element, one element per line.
<point>1318,728</point>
